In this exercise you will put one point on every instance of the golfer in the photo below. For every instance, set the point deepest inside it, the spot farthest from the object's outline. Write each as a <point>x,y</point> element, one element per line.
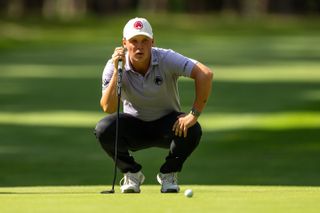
<point>151,108</point>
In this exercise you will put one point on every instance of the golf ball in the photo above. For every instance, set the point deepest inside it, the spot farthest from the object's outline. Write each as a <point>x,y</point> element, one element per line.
<point>188,193</point>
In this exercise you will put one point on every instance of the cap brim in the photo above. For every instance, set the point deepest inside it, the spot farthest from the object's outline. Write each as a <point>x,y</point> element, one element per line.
<point>128,37</point>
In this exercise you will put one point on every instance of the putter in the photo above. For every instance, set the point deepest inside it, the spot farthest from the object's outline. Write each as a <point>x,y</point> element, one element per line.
<point>119,85</point>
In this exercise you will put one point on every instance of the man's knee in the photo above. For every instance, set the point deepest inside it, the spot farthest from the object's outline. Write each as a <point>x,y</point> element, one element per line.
<point>104,127</point>
<point>195,132</point>
<point>194,135</point>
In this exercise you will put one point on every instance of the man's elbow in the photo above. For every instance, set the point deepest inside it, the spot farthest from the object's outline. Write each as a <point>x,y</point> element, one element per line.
<point>202,72</point>
<point>207,73</point>
<point>107,109</point>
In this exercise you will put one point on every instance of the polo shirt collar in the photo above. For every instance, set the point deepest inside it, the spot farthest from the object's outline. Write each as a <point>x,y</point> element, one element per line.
<point>154,57</point>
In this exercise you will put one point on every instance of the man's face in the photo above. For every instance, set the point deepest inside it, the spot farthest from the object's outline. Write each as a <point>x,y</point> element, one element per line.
<point>139,48</point>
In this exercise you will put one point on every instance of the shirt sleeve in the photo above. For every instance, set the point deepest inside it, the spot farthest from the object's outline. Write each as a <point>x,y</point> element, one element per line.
<point>178,64</point>
<point>107,75</point>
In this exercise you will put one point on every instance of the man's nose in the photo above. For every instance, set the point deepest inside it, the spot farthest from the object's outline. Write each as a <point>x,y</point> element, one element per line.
<point>139,45</point>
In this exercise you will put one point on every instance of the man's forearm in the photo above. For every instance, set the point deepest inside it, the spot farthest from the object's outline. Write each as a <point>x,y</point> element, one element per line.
<point>203,81</point>
<point>108,100</point>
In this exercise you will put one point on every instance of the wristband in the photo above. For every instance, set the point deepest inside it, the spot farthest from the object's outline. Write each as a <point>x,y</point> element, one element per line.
<point>195,112</point>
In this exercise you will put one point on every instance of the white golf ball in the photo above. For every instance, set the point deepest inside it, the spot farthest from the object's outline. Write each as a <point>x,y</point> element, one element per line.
<point>188,193</point>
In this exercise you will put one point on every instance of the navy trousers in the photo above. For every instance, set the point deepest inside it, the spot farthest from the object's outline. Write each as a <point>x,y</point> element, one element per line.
<point>135,134</point>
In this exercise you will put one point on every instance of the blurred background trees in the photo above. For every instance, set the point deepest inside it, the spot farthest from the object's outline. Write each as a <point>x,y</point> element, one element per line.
<point>68,9</point>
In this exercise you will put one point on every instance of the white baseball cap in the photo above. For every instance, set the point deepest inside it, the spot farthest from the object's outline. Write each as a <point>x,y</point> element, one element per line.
<point>137,26</point>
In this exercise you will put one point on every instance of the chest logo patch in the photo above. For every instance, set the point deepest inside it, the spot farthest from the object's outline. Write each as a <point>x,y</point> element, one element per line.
<point>158,80</point>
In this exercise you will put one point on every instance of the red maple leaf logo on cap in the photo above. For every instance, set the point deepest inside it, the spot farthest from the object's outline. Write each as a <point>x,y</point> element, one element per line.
<point>138,25</point>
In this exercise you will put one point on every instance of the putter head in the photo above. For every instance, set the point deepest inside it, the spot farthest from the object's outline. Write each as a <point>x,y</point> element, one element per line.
<point>108,191</point>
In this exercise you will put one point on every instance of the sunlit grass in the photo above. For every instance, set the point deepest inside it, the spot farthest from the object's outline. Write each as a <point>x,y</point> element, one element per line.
<point>272,73</point>
<point>212,121</point>
<point>52,118</point>
<point>206,199</point>
<point>302,72</point>
<point>50,71</point>
<point>267,121</point>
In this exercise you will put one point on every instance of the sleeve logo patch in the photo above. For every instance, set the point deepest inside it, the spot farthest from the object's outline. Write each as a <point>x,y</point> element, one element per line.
<point>105,82</point>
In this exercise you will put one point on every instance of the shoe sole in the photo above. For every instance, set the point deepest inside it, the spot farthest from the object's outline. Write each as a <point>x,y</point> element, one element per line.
<point>130,191</point>
<point>170,191</point>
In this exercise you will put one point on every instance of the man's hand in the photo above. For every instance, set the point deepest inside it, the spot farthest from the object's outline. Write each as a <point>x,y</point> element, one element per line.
<point>184,122</point>
<point>119,53</point>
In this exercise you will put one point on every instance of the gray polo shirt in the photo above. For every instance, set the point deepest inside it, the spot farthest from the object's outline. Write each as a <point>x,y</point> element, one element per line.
<point>156,94</point>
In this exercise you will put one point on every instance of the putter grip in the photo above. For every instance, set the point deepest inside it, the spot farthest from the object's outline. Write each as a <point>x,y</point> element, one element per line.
<point>120,64</point>
<point>119,82</point>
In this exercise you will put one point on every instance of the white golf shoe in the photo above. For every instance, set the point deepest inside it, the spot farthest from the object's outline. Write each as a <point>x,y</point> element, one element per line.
<point>130,183</point>
<point>169,182</point>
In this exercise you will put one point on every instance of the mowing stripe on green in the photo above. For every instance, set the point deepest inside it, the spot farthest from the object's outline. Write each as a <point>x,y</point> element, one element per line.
<point>212,121</point>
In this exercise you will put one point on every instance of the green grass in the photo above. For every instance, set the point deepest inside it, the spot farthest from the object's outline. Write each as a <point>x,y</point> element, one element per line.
<point>261,127</point>
<point>206,199</point>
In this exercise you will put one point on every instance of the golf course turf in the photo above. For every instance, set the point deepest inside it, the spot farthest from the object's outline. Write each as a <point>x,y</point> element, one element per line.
<point>206,199</point>
<point>261,127</point>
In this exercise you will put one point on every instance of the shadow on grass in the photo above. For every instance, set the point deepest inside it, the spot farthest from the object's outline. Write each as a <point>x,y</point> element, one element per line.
<point>40,156</point>
<point>255,97</point>
<point>257,157</point>
<point>47,155</point>
<point>46,193</point>
<point>44,155</point>
<point>43,94</point>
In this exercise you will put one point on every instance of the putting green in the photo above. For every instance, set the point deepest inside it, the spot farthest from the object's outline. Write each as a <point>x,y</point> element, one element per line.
<point>206,199</point>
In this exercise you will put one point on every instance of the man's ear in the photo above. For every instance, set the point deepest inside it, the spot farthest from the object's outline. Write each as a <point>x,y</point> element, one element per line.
<point>124,42</point>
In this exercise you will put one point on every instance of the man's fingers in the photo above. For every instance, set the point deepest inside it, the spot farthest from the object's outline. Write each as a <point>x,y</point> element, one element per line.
<point>181,129</point>
<point>119,53</point>
<point>174,126</point>
<point>185,131</point>
<point>177,130</point>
